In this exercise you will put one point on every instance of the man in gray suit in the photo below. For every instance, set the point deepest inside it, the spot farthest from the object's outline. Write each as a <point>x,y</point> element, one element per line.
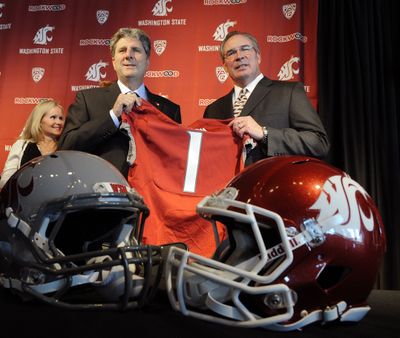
<point>277,115</point>
<point>94,119</point>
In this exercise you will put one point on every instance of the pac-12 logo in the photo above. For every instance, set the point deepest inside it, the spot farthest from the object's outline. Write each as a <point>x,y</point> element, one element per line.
<point>94,73</point>
<point>222,75</point>
<point>42,35</point>
<point>102,16</point>
<point>289,10</point>
<point>37,73</point>
<point>341,196</point>
<point>161,9</point>
<point>159,46</point>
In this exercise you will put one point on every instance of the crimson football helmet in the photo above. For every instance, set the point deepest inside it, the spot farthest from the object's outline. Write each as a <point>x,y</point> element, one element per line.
<point>305,243</point>
<point>70,229</point>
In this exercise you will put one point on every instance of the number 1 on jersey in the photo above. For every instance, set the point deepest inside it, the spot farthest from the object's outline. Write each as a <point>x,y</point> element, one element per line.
<point>193,160</point>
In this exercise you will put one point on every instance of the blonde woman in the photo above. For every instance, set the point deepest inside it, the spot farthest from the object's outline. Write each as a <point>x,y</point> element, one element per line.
<point>39,137</point>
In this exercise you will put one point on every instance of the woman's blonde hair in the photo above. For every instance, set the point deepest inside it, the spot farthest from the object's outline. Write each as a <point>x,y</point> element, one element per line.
<point>33,130</point>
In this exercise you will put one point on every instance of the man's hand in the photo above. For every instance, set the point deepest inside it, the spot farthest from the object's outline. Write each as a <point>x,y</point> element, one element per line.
<point>125,102</point>
<point>247,125</point>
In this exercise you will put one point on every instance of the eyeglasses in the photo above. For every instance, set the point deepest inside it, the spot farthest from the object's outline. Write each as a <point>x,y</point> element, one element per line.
<point>245,50</point>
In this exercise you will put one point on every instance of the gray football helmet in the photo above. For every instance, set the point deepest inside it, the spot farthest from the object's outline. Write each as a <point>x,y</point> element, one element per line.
<point>70,232</point>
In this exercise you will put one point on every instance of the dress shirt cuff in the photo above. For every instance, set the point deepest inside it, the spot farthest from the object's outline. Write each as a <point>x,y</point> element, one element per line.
<point>116,120</point>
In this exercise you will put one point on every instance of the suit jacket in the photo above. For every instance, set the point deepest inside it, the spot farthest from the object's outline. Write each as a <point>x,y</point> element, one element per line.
<point>294,127</point>
<point>90,128</point>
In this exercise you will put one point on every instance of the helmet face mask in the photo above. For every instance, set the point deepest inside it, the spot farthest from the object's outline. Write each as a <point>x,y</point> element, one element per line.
<point>70,235</point>
<point>305,244</point>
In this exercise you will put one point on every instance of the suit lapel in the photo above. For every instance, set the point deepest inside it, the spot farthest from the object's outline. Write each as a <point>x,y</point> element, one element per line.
<point>153,99</point>
<point>112,93</point>
<point>260,91</point>
<point>227,107</point>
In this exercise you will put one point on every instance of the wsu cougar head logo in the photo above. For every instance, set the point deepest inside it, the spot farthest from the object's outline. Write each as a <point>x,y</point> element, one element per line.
<point>161,9</point>
<point>94,73</point>
<point>222,30</point>
<point>287,71</point>
<point>341,196</point>
<point>41,37</point>
<point>1,6</point>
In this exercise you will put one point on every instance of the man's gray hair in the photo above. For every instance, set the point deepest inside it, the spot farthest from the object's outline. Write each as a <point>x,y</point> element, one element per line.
<point>233,33</point>
<point>133,33</point>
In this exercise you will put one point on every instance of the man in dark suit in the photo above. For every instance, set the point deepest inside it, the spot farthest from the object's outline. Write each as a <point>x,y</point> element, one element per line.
<point>94,119</point>
<point>276,114</point>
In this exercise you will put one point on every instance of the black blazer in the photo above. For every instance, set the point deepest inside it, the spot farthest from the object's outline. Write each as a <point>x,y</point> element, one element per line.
<point>294,127</point>
<point>90,128</point>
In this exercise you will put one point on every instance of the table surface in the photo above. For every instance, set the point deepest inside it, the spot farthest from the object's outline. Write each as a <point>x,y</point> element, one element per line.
<point>35,319</point>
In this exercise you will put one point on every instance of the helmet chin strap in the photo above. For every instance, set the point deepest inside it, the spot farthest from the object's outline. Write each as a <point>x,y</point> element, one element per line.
<point>339,311</point>
<point>17,223</point>
<point>50,287</point>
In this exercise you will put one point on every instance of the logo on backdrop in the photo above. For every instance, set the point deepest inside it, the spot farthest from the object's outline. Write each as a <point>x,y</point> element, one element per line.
<point>159,46</point>
<point>162,73</point>
<point>287,38</point>
<point>161,9</point>
<point>29,100</point>
<point>223,2</point>
<point>4,25</point>
<point>222,30</point>
<point>205,102</point>
<point>102,16</point>
<point>94,73</point>
<point>37,73</point>
<point>94,42</point>
<point>42,35</point>
<point>47,8</point>
<point>222,75</point>
<point>289,10</point>
<point>219,35</point>
<point>287,71</point>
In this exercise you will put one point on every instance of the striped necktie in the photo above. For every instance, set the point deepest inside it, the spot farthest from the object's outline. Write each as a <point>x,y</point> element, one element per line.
<point>240,102</point>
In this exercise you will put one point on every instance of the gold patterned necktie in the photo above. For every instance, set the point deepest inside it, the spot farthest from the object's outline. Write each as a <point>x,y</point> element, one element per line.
<point>240,102</point>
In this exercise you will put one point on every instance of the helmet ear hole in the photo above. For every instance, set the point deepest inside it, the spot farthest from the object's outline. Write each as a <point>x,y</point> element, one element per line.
<point>332,276</point>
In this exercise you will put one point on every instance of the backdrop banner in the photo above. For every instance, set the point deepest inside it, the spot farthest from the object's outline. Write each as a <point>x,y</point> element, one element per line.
<point>56,48</point>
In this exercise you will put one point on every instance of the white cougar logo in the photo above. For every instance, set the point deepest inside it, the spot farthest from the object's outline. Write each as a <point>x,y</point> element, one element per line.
<point>41,37</point>
<point>1,6</point>
<point>94,73</point>
<point>222,30</point>
<point>287,71</point>
<point>338,197</point>
<point>160,8</point>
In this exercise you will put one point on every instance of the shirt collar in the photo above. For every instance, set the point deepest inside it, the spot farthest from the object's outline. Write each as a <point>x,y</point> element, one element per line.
<point>250,87</point>
<point>141,91</point>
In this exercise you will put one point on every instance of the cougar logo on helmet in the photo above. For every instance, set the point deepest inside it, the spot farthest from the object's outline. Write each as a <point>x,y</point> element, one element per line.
<point>339,196</point>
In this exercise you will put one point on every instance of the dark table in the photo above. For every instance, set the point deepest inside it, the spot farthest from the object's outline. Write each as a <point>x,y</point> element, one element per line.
<point>158,319</point>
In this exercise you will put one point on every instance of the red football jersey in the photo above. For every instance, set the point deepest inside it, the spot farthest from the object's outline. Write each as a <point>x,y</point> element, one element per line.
<point>175,167</point>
